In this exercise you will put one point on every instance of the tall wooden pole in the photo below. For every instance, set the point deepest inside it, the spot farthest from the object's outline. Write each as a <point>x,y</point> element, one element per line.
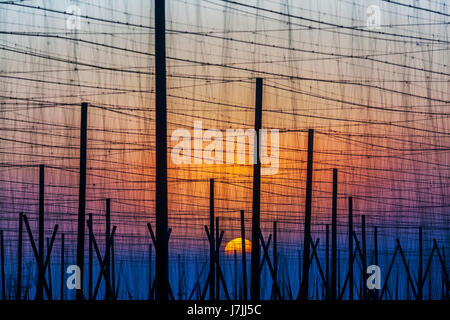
<point>307,231</point>
<point>255,285</point>
<point>275,257</point>
<point>334,236</point>
<point>244,258</point>
<point>217,262</point>
<point>350,248</point>
<point>162,245</point>
<point>212,269</point>
<point>235,277</point>
<point>19,259</point>
<point>49,272</point>
<point>90,258</point>
<point>327,259</point>
<point>108,251</point>
<point>82,197</point>
<point>41,275</point>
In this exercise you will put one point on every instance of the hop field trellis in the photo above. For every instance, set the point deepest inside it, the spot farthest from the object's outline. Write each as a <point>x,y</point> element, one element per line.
<point>377,100</point>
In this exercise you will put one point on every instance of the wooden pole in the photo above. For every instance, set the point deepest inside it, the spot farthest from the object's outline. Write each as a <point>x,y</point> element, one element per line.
<point>108,250</point>
<point>82,197</point>
<point>212,269</point>
<point>307,231</point>
<point>49,270</point>
<point>334,236</point>
<point>19,259</point>
<point>255,286</point>
<point>217,260</point>
<point>364,262</point>
<point>350,248</point>
<point>162,245</point>
<point>62,270</point>
<point>41,275</point>
<point>275,258</point>
<point>244,258</point>
<point>235,277</point>
<point>443,282</point>
<point>327,259</point>
<point>90,257</point>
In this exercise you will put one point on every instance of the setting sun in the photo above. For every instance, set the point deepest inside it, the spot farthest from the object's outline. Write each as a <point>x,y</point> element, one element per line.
<point>236,245</point>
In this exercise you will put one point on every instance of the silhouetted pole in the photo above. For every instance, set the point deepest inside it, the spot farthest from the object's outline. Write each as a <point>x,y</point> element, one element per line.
<point>19,259</point>
<point>350,248</point>
<point>41,275</point>
<point>420,277</point>
<point>244,258</point>
<point>162,245</point>
<point>327,259</point>
<point>235,277</point>
<point>217,260</point>
<point>107,253</point>
<point>443,279</point>
<point>256,254</point>
<point>49,272</point>
<point>2,253</point>
<point>275,256</point>
<point>212,269</point>
<point>82,197</point>
<point>307,231</point>
<point>364,262</point>
<point>61,295</point>
<point>334,236</point>
<point>90,258</point>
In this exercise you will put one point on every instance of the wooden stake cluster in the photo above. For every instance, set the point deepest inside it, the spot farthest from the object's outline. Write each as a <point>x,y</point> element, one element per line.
<point>255,286</point>
<point>303,293</point>
<point>110,292</point>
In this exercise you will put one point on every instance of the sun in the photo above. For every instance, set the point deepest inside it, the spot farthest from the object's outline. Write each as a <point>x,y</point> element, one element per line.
<point>236,245</point>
